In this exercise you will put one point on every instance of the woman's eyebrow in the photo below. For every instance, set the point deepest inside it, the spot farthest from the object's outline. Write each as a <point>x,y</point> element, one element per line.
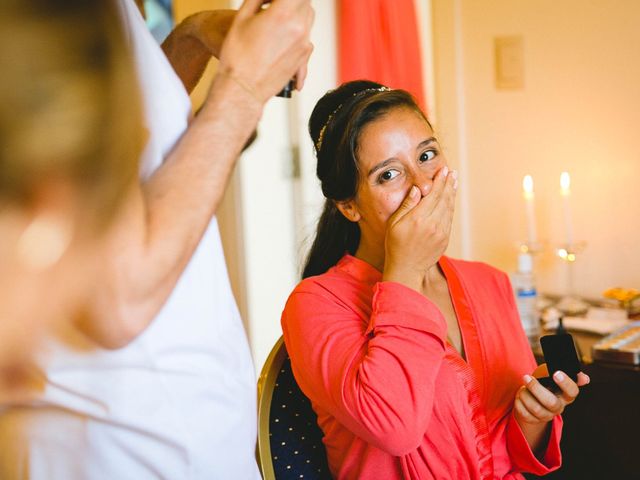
<point>426,142</point>
<point>380,165</point>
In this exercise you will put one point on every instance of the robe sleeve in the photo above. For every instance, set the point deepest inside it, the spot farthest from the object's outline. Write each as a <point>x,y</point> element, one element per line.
<point>375,375</point>
<point>522,457</point>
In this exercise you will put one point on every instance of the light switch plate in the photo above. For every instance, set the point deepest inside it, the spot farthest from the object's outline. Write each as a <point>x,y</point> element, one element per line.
<point>509,62</point>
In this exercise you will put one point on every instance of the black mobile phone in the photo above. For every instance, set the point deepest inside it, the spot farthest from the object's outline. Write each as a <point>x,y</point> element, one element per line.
<point>560,354</point>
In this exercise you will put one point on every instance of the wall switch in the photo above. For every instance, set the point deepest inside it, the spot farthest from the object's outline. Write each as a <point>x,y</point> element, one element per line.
<point>509,62</point>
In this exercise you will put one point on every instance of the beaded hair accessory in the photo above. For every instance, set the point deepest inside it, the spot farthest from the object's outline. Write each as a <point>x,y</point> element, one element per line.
<point>330,117</point>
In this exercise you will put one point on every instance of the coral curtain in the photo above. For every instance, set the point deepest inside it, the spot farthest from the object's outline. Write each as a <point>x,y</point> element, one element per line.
<point>378,40</point>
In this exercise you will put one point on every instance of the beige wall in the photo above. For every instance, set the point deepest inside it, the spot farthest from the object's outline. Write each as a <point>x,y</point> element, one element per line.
<point>579,111</point>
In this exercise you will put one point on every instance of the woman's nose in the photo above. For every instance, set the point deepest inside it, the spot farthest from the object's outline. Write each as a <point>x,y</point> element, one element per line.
<point>423,181</point>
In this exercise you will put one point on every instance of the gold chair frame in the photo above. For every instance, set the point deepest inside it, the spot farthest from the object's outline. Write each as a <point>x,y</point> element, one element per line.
<point>266,384</point>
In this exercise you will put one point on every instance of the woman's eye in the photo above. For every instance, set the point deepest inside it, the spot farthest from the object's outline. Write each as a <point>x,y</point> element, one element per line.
<point>428,155</point>
<point>388,175</point>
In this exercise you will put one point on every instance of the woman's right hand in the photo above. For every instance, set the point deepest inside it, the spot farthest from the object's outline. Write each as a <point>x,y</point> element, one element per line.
<point>418,232</point>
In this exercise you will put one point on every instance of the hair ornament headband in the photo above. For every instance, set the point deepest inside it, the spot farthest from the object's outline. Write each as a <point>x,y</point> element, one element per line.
<point>330,117</point>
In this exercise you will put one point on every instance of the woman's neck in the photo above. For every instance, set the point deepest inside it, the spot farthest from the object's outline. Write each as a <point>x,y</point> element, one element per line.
<point>374,256</point>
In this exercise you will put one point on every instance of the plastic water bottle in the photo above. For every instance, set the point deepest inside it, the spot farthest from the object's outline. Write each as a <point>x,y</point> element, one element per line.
<point>524,287</point>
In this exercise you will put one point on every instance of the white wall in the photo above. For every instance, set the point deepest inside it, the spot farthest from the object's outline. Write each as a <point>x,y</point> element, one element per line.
<point>322,77</point>
<point>578,111</point>
<point>268,230</point>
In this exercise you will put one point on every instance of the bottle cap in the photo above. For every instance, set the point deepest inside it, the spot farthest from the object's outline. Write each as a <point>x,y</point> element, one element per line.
<point>525,263</point>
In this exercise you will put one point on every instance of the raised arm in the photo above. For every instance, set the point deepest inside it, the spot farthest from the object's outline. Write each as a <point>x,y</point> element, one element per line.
<point>165,218</point>
<point>193,42</point>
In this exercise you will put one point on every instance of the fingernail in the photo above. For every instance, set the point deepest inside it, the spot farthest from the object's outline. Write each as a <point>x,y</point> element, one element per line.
<point>413,192</point>
<point>455,184</point>
<point>454,174</point>
<point>527,379</point>
<point>559,376</point>
<point>445,171</point>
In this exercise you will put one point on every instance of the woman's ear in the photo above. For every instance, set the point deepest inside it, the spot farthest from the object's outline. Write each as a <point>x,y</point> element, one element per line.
<point>349,210</point>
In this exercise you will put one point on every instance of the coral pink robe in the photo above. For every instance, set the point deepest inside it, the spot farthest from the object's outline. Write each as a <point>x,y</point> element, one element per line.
<point>393,398</point>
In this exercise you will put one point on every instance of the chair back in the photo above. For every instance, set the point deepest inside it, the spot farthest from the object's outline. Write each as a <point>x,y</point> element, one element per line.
<point>289,439</point>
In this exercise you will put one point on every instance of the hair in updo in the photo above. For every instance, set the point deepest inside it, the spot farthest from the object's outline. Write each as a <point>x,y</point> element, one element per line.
<point>335,127</point>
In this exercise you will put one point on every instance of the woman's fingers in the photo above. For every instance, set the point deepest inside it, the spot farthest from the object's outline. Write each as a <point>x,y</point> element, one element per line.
<point>545,398</point>
<point>442,212</point>
<point>410,201</point>
<point>552,402</point>
<point>521,411</point>
<point>441,194</point>
<point>536,404</point>
<point>569,388</point>
<point>530,409</point>
<point>431,200</point>
<point>583,379</point>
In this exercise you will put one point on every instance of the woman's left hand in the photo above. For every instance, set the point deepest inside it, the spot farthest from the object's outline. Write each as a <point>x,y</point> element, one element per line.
<point>535,406</point>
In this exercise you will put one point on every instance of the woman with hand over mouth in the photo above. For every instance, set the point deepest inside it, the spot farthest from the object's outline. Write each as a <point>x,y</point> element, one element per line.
<point>416,363</point>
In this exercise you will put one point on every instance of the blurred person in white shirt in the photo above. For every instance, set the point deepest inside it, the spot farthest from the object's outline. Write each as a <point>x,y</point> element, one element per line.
<point>157,380</point>
<point>70,133</point>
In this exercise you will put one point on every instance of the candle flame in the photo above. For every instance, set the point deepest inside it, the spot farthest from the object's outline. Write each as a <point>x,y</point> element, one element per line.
<point>527,186</point>
<point>565,183</point>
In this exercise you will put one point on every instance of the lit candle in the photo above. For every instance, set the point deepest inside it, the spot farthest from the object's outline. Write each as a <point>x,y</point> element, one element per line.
<point>565,192</point>
<point>527,192</point>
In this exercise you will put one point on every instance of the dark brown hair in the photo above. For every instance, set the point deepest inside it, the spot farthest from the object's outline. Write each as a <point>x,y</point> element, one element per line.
<point>335,127</point>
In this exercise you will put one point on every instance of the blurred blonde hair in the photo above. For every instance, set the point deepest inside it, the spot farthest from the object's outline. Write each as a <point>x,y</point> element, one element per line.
<point>70,109</point>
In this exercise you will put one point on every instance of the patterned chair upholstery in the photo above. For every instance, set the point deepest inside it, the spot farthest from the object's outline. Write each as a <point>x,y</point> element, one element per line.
<point>289,439</point>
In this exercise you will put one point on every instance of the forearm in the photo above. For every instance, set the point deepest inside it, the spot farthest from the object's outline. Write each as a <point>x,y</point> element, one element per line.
<point>167,216</point>
<point>537,436</point>
<point>190,46</point>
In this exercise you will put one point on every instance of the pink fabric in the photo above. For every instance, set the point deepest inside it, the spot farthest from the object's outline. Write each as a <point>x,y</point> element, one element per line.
<point>393,399</point>
<point>378,40</point>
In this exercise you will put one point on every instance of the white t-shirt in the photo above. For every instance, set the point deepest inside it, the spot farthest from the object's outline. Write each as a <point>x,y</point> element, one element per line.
<point>179,402</point>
